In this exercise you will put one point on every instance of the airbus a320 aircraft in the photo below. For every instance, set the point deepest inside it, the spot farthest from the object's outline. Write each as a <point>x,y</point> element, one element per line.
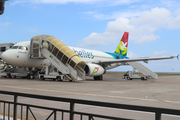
<point>96,61</point>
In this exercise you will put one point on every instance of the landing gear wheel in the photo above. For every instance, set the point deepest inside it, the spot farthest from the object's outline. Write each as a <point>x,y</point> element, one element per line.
<point>98,77</point>
<point>14,76</point>
<point>32,77</point>
<point>28,76</point>
<point>42,77</point>
<point>9,75</point>
<point>70,80</point>
<point>59,79</point>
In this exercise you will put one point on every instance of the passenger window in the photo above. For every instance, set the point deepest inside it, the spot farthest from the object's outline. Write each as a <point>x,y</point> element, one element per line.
<point>14,47</point>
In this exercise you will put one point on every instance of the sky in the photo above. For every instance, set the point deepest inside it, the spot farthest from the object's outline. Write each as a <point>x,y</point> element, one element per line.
<point>153,26</point>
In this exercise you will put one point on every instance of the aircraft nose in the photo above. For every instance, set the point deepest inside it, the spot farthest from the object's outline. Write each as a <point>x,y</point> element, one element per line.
<point>4,56</point>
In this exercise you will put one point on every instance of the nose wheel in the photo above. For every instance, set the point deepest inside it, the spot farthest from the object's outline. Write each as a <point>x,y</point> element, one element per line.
<point>30,76</point>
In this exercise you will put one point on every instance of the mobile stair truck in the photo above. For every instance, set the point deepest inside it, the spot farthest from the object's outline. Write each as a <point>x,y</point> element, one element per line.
<point>146,73</point>
<point>51,72</point>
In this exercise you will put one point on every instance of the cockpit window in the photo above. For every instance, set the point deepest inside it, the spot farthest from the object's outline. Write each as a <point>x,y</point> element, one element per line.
<point>23,48</point>
<point>14,47</point>
<point>19,47</point>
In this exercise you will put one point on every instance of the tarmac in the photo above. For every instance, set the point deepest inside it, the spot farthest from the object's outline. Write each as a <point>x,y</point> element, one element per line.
<point>163,93</point>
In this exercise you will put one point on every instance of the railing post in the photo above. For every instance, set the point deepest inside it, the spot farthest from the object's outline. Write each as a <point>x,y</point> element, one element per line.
<point>71,110</point>
<point>8,111</point>
<point>158,116</point>
<point>4,111</point>
<point>90,117</point>
<point>62,118</point>
<point>27,112</point>
<point>55,115</point>
<point>15,107</point>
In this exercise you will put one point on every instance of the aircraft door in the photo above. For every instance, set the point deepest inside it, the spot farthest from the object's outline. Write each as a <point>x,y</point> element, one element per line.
<point>35,48</point>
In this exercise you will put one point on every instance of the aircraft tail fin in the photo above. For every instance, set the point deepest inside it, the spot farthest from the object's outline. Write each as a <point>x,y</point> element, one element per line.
<point>123,45</point>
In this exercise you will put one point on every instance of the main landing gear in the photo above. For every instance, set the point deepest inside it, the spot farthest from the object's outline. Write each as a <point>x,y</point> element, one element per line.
<point>98,77</point>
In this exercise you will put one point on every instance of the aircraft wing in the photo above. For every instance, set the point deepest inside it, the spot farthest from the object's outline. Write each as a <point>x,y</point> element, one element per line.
<point>146,59</point>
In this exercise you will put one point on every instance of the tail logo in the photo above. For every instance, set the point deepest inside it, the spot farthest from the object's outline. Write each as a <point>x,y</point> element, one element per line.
<point>122,49</point>
<point>123,45</point>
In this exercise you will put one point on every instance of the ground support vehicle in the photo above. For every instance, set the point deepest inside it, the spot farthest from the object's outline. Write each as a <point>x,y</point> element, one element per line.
<point>129,75</point>
<point>50,72</point>
<point>14,72</point>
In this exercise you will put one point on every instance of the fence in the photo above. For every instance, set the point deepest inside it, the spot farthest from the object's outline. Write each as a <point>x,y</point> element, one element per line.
<point>6,105</point>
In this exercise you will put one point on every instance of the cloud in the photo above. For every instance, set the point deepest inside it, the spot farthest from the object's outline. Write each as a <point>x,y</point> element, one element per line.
<point>156,17</point>
<point>120,2</point>
<point>6,24</point>
<point>18,2</point>
<point>114,15</point>
<point>32,30</point>
<point>107,2</point>
<point>171,3</point>
<point>161,53</point>
<point>132,55</point>
<point>175,24</point>
<point>66,1</point>
<point>141,28</point>
<point>3,26</point>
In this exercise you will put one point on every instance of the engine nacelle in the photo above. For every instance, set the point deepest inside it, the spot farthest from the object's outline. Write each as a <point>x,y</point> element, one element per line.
<point>94,70</point>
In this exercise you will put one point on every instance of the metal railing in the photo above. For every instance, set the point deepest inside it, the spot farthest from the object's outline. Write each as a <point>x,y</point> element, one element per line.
<point>15,103</point>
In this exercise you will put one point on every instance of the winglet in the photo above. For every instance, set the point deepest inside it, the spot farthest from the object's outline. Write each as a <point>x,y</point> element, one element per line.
<point>178,56</point>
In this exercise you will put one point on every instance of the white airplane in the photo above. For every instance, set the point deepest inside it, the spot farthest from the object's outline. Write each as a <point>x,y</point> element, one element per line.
<point>97,61</point>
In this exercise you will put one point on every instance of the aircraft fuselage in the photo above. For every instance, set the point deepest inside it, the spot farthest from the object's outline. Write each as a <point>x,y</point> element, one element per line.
<point>19,55</point>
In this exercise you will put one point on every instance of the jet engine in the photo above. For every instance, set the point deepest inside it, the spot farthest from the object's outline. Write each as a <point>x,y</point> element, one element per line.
<point>94,70</point>
<point>2,3</point>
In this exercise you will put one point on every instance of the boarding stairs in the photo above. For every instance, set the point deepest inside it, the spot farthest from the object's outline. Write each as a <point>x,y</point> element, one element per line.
<point>65,69</point>
<point>144,70</point>
<point>60,56</point>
